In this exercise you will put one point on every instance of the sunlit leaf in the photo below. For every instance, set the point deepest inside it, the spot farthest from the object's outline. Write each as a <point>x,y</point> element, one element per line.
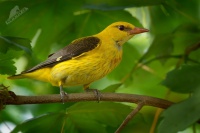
<point>7,63</point>
<point>7,67</point>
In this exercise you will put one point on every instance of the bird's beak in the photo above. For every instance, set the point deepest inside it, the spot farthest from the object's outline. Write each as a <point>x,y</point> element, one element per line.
<point>137,30</point>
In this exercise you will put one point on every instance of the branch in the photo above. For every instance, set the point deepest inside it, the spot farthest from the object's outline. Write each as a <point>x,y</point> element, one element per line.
<point>75,97</point>
<point>130,116</point>
<point>9,98</point>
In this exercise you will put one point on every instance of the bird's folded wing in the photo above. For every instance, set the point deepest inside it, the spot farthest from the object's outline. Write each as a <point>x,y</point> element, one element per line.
<point>72,50</point>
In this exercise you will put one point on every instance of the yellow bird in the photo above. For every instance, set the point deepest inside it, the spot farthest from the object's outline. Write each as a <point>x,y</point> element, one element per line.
<point>84,60</point>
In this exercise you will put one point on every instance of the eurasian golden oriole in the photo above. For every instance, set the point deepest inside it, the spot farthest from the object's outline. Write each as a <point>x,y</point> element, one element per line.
<point>84,60</point>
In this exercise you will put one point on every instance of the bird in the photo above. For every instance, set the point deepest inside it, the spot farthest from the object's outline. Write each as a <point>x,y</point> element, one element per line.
<point>84,60</point>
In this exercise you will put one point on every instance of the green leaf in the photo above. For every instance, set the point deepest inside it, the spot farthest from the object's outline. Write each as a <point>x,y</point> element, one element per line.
<point>181,115</point>
<point>161,46</point>
<point>118,4</point>
<point>183,80</point>
<point>48,21</point>
<point>108,113</point>
<point>7,67</point>
<point>163,20</point>
<point>15,43</point>
<point>186,36</point>
<point>185,10</point>
<point>51,122</point>
<point>82,116</point>
<point>7,63</point>
<point>93,20</point>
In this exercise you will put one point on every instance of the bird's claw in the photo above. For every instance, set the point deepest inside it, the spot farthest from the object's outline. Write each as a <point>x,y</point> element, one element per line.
<point>96,92</point>
<point>62,94</point>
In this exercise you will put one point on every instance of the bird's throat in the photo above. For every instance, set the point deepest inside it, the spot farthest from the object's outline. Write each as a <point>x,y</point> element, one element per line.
<point>118,45</point>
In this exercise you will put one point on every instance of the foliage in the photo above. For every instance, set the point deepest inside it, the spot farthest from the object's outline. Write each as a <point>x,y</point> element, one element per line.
<point>76,118</point>
<point>170,50</point>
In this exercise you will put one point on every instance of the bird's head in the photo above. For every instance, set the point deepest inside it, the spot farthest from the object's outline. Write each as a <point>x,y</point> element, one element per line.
<point>121,32</point>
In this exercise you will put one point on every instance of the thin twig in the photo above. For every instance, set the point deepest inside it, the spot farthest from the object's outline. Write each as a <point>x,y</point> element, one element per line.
<point>141,63</point>
<point>130,116</point>
<point>155,120</point>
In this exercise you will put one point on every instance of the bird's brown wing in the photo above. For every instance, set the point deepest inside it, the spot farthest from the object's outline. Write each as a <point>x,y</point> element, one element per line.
<point>72,50</point>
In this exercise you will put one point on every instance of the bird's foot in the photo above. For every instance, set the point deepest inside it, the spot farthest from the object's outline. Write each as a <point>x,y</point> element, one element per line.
<point>96,92</point>
<point>62,95</point>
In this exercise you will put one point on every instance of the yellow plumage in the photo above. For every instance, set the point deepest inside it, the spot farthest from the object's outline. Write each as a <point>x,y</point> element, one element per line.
<point>88,66</point>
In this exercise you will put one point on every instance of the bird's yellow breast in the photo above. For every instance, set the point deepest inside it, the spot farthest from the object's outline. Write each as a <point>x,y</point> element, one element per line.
<point>88,67</point>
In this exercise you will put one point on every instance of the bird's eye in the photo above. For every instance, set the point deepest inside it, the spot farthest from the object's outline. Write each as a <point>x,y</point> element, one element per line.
<point>121,27</point>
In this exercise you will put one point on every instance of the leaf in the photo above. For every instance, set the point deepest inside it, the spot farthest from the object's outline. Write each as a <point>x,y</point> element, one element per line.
<point>44,123</point>
<point>183,80</point>
<point>118,4</point>
<point>7,63</point>
<point>161,46</point>
<point>7,67</point>
<point>93,20</point>
<point>108,113</point>
<point>163,20</point>
<point>48,21</point>
<point>82,116</point>
<point>185,36</point>
<point>185,10</point>
<point>181,115</point>
<point>15,43</point>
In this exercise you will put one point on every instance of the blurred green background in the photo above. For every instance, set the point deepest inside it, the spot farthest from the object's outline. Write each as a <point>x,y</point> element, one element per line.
<point>163,63</point>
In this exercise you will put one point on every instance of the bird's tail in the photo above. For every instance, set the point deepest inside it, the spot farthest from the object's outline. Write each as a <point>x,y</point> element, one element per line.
<point>19,76</point>
<point>41,74</point>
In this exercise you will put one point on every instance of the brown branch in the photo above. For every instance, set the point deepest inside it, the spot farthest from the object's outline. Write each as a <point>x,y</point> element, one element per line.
<point>130,116</point>
<point>75,97</point>
<point>141,100</point>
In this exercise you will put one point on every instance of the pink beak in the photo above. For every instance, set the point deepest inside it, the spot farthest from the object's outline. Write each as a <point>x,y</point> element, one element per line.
<point>137,30</point>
